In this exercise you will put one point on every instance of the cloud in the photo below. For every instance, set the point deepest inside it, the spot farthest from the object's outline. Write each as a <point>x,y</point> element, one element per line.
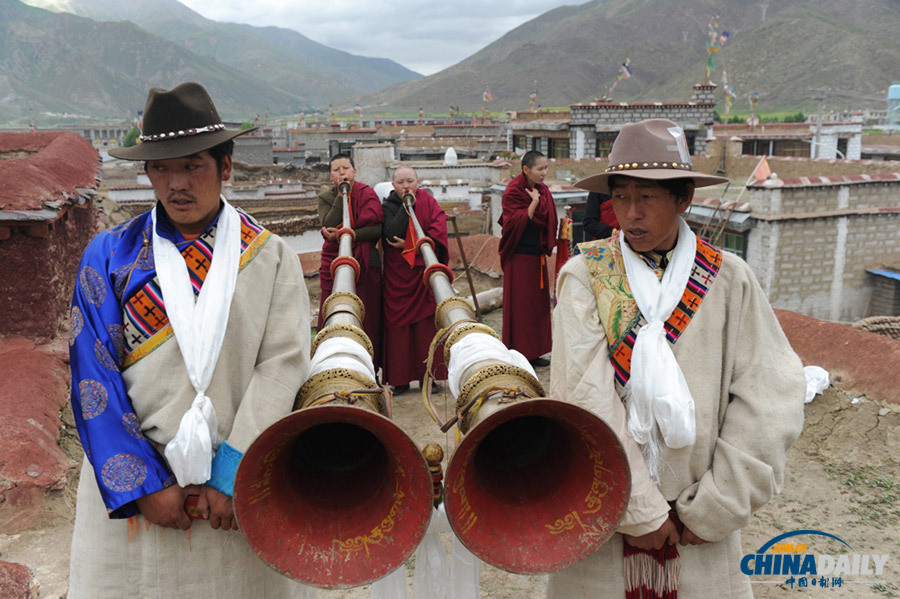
<point>423,36</point>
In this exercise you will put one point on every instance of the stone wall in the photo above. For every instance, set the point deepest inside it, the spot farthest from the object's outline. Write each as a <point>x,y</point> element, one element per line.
<point>37,273</point>
<point>812,244</point>
<point>372,162</point>
<point>251,149</point>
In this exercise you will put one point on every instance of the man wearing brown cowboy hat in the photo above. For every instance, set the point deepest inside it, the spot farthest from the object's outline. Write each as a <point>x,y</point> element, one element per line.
<point>672,342</point>
<point>189,336</point>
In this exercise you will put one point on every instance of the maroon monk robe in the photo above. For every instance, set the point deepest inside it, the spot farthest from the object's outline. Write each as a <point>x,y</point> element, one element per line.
<point>409,305</point>
<point>526,285</point>
<point>365,210</point>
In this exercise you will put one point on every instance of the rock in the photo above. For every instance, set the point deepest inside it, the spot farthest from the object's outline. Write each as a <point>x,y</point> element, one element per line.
<point>893,442</point>
<point>17,582</point>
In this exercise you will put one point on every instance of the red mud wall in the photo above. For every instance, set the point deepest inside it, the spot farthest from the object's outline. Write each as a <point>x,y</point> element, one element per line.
<point>862,362</point>
<point>34,390</point>
<point>37,274</point>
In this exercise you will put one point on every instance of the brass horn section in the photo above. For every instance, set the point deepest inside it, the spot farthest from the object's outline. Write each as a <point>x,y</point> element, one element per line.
<point>536,484</point>
<point>335,494</point>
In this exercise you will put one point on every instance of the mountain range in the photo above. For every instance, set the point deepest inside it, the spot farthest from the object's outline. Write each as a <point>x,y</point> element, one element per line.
<point>781,48</point>
<point>99,57</point>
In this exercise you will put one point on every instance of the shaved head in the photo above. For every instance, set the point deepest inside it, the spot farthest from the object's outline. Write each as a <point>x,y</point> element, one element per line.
<point>405,181</point>
<point>404,170</point>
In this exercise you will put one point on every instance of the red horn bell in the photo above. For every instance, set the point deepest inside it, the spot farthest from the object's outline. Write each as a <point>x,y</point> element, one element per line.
<point>537,486</point>
<point>333,496</point>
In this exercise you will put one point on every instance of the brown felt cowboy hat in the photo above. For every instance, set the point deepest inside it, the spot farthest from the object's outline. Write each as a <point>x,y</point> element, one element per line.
<point>652,149</point>
<point>178,122</point>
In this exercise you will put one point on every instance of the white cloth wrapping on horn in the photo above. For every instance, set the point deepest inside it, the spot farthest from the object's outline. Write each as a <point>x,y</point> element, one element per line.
<point>199,328</point>
<point>657,394</point>
<point>480,347</point>
<point>341,352</point>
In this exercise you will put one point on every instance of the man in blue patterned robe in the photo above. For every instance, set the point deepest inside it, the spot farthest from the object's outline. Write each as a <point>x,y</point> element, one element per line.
<point>131,386</point>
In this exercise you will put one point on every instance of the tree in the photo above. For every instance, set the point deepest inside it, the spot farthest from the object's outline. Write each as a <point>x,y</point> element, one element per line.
<point>795,118</point>
<point>131,137</point>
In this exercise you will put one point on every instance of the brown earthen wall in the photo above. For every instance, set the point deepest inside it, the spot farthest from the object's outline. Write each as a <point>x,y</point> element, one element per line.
<point>37,274</point>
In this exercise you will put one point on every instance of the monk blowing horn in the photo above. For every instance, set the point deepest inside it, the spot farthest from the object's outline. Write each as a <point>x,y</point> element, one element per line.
<point>335,494</point>
<point>536,484</point>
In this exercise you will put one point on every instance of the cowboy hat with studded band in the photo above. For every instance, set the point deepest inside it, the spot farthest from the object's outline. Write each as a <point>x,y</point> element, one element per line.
<point>178,122</point>
<point>652,149</point>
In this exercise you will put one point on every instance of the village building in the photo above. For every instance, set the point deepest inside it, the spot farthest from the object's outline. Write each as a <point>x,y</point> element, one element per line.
<point>803,140</point>
<point>880,152</point>
<point>320,143</point>
<point>544,131</point>
<point>892,114</point>
<point>132,193</point>
<point>295,156</point>
<point>254,149</point>
<point>815,239</point>
<point>595,125</point>
<point>102,136</point>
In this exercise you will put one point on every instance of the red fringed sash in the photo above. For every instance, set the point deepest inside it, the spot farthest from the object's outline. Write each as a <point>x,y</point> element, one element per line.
<point>651,573</point>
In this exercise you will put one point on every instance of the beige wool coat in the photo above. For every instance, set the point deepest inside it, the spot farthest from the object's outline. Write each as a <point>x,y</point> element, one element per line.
<point>748,387</point>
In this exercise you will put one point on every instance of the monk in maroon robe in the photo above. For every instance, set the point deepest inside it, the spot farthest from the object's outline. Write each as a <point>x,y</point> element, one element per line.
<point>409,304</point>
<point>366,219</point>
<point>529,224</point>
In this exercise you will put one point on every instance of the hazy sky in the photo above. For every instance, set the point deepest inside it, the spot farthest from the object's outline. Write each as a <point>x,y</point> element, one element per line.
<point>423,36</point>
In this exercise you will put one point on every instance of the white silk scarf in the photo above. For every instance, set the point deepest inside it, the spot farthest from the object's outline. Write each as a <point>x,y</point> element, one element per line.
<point>199,328</point>
<point>657,395</point>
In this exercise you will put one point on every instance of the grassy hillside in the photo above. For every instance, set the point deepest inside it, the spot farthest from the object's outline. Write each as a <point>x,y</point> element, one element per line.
<point>281,57</point>
<point>574,52</point>
<point>61,63</point>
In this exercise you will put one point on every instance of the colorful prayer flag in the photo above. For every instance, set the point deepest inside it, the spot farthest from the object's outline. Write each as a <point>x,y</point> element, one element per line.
<point>728,91</point>
<point>762,171</point>
<point>623,73</point>
<point>624,70</point>
<point>714,43</point>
